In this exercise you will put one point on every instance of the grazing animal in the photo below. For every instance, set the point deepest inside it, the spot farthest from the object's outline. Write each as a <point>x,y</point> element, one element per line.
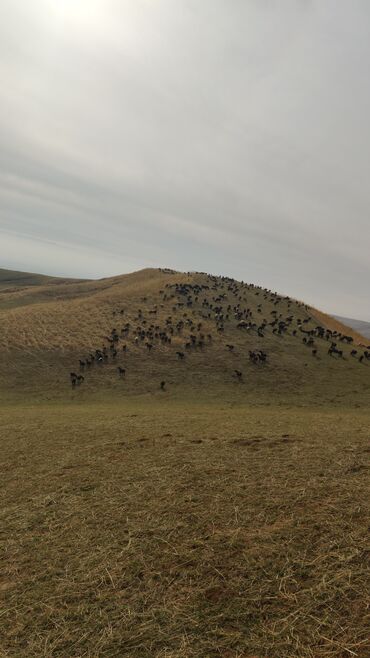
<point>238,375</point>
<point>257,356</point>
<point>162,385</point>
<point>121,371</point>
<point>334,350</point>
<point>180,355</point>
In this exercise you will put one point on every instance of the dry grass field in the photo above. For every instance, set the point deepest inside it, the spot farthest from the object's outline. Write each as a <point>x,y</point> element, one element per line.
<point>216,518</point>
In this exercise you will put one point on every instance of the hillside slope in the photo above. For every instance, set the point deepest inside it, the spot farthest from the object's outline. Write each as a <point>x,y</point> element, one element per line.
<point>358,325</point>
<point>18,288</point>
<point>200,334</point>
<point>13,279</point>
<point>339,325</point>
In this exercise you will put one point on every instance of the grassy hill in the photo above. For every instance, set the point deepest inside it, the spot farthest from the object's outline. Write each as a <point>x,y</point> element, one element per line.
<point>358,325</point>
<point>21,288</point>
<point>225,516</point>
<point>10,279</point>
<point>45,330</point>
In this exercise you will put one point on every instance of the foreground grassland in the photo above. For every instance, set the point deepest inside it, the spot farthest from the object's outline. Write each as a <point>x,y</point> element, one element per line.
<point>163,529</point>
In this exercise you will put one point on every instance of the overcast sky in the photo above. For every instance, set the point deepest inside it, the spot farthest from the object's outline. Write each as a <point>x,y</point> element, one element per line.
<point>228,136</point>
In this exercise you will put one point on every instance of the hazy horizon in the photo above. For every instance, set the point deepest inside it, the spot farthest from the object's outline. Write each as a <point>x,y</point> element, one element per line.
<point>205,136</point>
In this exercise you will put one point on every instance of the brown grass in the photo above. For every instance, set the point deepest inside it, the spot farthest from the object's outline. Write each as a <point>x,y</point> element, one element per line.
<point>186,532</point>
<point>216,519</point>
<point>336,325</point>
<point>44,332</point>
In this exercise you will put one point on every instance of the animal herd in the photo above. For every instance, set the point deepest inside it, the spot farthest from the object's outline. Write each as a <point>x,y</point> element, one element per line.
<point>191,317</point>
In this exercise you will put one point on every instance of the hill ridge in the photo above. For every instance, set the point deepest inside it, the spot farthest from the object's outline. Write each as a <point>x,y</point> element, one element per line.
<point>154,325</point>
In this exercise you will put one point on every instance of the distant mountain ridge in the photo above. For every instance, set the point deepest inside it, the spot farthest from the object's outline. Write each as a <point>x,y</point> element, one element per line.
<point>15,279</point>
<point>358,325</point>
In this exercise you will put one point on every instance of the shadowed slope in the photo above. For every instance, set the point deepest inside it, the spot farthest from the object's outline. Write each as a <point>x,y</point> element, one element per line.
<point>13,279</point>
<point>21,288</point>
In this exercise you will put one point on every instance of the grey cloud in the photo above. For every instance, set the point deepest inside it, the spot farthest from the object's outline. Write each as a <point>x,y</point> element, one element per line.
<point>228,137</point>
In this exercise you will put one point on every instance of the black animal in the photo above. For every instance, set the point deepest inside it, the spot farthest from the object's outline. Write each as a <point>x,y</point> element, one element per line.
<point>162,385</point>
<point>121,371</point>
<point>257,356</point>
<point>334,350</point>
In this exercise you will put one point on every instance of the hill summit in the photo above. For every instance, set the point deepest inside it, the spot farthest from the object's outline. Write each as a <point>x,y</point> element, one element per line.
<point>165,333</point>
